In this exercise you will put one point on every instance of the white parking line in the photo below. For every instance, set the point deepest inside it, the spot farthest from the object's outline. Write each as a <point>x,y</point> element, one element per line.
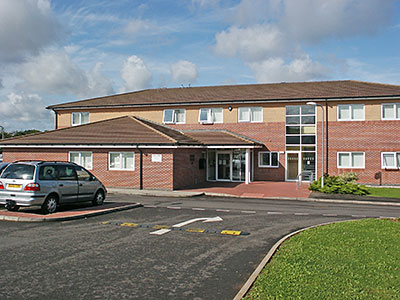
<point>329,215</point>
<point>358,216</point>
<point>160,232</point>
<point>174,207</point>
<point>274,213</point>
<point>149,206</point>
<point>196,208</point>
<point>248,211</point>
<point>223,210</point>
<point>301,214</point>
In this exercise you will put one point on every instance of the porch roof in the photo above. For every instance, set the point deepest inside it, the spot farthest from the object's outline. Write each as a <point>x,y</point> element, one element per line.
<point>127,131</point>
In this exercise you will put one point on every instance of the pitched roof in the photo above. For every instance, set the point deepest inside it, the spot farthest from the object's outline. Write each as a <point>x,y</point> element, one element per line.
<point>237,93</point>
<point>127,130</point>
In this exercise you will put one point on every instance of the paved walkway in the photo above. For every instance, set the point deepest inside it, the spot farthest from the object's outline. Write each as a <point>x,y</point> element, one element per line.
<point>257,189</point>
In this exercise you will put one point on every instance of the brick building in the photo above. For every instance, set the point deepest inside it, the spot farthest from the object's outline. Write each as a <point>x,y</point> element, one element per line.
<point>172,138</point>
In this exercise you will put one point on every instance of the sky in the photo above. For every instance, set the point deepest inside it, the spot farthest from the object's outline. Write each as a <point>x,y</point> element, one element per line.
<point>55,51</point>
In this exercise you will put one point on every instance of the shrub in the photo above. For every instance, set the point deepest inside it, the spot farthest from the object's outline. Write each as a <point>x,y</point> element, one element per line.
<point>341,184</point>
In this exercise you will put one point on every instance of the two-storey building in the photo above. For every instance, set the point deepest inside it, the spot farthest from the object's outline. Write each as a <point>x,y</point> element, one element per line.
<point>174,137</point>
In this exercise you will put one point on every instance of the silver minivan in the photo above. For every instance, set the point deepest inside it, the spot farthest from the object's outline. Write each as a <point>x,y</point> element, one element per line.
<point>48,185</point>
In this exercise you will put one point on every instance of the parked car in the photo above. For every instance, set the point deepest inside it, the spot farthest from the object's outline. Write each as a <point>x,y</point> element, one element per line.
<point>48,185</point>
<point>3,166</point>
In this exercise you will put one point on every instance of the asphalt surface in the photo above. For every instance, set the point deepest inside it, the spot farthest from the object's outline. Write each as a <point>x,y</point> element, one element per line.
<point>97,258</point>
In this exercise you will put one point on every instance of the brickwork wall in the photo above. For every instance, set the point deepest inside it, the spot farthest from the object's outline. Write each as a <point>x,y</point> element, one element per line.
<point>187,172</point>
<point>371,137</point>
<point>156,175</point>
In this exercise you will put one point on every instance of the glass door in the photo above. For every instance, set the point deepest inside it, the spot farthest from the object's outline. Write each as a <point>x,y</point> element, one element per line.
<point>292,165</point>
<point>238,165</point>
<point>224,166</point>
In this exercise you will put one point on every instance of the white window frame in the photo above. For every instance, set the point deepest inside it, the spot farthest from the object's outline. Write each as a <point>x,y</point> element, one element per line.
<point>120,157</point>
<point>249,108</point>
<point>350,159</point>
<point>90,167</point>
<point>396,107</point>
<point>270,159</point>
<point>80,118</point>
<point>210,115</point>
<point>396,162</point>
<point>351,112</point>
<point>173,116</point>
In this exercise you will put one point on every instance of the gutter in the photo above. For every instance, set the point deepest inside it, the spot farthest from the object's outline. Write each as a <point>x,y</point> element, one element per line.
<point>225,102</point>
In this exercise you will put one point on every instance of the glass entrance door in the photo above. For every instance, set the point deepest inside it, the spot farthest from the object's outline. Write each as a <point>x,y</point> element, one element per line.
<point>238,165</point>
<point>292,164</point>
<point>224,166</point>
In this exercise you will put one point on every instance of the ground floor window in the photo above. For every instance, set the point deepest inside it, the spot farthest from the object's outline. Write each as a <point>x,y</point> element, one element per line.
<point>351,160</point>
<point>268,159</point>
<point>390,160</point>
<point>84,159</point>
<point>121,161</point>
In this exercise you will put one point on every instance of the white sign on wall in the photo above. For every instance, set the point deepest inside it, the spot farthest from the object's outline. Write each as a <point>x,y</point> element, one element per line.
<point>156,157</point>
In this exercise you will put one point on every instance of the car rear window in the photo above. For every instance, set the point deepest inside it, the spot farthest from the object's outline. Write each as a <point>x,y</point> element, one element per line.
<point>19,171</point>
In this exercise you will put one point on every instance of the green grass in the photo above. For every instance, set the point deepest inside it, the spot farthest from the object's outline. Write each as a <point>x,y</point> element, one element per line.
<point>384,192</point>
<point>349,260</point>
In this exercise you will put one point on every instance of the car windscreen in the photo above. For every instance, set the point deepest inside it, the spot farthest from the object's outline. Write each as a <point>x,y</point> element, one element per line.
<point>19,171</point>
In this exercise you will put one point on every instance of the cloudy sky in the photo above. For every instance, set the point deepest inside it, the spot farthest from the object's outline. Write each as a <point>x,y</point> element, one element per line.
<point>54,51</point>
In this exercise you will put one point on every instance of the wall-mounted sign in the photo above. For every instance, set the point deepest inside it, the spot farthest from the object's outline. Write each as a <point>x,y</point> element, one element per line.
<point>156,157</point>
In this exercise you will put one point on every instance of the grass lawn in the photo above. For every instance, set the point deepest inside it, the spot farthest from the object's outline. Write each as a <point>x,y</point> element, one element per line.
<point>384,192</point>
<point>349,260</point>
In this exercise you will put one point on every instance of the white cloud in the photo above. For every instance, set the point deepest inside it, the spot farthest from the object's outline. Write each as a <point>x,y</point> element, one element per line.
<point>135,74</point>
<point>314,20</point>
<point>26,26</point>
<point>23,109</point>
<point>137,27</point>
<point>54,72</point>
<point>251,43</point>
<point>184,72</point>
<point>298,69</point>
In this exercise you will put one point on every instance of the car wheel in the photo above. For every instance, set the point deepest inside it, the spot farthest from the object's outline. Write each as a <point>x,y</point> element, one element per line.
<point>12,207</point>
<point>50,204</point>
<point>98,198</point>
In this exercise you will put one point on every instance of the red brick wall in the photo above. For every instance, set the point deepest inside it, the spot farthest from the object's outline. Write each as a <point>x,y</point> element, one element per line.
<point>186,172</point>
<point>371,137</point>
<point>155,175</point>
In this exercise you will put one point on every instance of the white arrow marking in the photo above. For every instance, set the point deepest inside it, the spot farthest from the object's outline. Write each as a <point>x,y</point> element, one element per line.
<point>205,220</point>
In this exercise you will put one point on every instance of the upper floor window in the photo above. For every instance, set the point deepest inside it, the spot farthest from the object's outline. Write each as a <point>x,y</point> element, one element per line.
<point>174,116</point>
<point>79,118</point>
<point>350,112</point>
<point>210,115</point>
<point>268,159</point>
<point>121,161</point>
<point>250,114</point>
<point>390,160</point>
<point>84,159</point>
<point>353,160</point>
<point>390,111</point>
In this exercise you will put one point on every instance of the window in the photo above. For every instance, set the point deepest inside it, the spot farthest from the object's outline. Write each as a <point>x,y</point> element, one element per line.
<point>84,159</point>
<point>79,118</point>
<point>390,111</point>
<point>66,172</point>
<point>250,114</point>
<point>350,112</point>
<point>83,175</point>
<point>354,160</point>
<point>268,159</point>
<point>210,115</point>
<point>121,161</point>
<point>174,116</point>
<point>390,160</point>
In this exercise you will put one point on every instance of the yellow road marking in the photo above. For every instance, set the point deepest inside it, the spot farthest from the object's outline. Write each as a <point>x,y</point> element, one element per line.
<point>195,230</point>
<point>231,232</point>
<point>129,224</point>
<point>161,227</point>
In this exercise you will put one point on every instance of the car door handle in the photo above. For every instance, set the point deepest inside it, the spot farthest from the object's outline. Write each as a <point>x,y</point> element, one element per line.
<point>60,185</point>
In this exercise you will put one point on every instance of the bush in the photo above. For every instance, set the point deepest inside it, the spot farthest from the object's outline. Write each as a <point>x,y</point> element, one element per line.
<point>342,184</point>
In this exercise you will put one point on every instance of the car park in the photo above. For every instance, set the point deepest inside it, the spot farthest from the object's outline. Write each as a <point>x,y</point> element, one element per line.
<point>48,185</point>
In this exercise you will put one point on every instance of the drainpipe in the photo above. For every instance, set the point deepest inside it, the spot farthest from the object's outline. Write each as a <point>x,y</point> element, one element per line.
<point>326,143</point>
<point>141,168</point>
